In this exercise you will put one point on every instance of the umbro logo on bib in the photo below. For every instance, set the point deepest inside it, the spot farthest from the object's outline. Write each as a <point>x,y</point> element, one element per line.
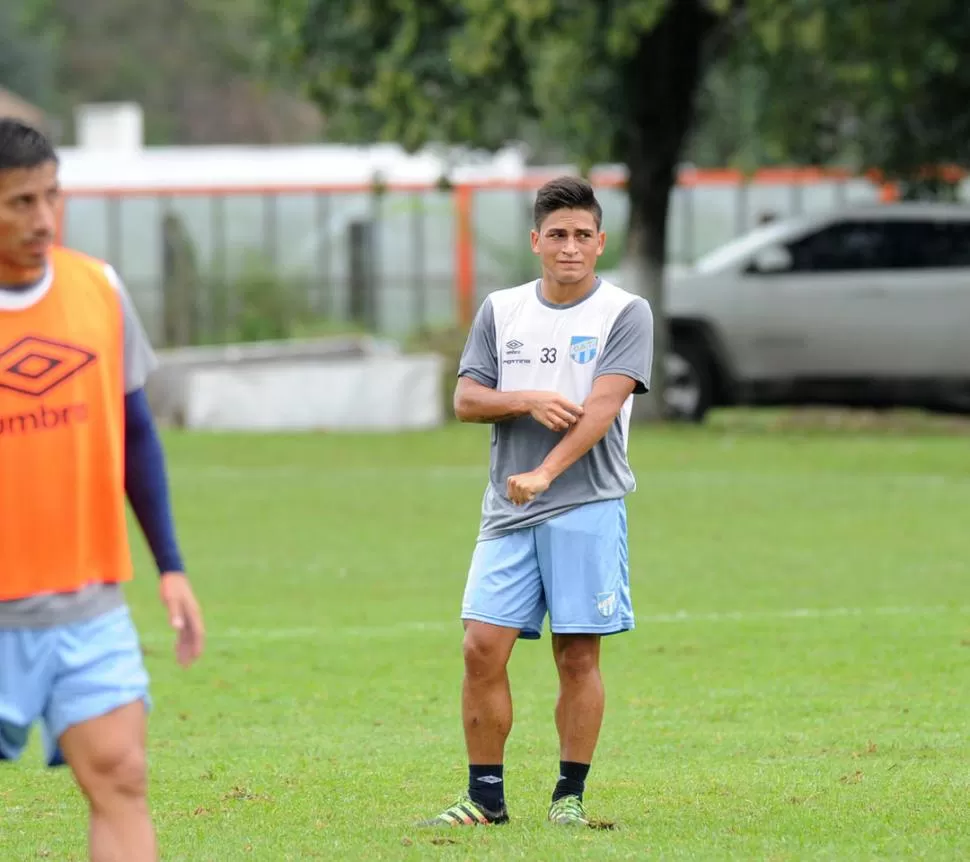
<point>33,366</point>
<point>582,348</point>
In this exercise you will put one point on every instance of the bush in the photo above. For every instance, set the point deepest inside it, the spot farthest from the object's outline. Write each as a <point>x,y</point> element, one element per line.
<point>448,343</point>
<point>264,305</point>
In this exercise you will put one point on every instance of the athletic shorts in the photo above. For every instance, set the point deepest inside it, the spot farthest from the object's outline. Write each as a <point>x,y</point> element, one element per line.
<point>65,675</point>
<point>575,567</point>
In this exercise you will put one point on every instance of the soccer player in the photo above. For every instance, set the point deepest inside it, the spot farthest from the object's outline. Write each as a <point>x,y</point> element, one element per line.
<point>76,436</point>
<point>553,365</point>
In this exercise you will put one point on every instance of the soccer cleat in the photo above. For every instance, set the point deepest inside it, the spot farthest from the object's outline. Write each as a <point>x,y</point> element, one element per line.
<point>467,813</point>
<point>568,811</point>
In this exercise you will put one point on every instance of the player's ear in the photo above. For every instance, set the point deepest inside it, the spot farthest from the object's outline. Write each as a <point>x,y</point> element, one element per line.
<point>535,241</point>
<point>601,244</point>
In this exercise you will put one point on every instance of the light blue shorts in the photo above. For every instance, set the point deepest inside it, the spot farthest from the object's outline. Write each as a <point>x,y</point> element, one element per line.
<point>574,566</point>
<point>66,675</point>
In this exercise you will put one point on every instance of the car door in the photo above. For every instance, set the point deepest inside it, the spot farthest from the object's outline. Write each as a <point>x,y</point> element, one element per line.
<point>811,311</point>
<point>899,295</point>
<point>927,315</point>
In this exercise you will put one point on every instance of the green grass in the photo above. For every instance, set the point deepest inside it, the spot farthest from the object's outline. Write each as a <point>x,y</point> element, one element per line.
<point>796,688</point>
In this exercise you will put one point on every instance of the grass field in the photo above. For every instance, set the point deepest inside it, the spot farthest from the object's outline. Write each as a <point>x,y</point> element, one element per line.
<point>796,687</point>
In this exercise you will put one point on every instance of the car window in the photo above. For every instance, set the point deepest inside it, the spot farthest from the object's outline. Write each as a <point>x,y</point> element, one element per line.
<point>844,247</point>
<point>740,248</point>
<point>935,244</point>
<point>892,244</point>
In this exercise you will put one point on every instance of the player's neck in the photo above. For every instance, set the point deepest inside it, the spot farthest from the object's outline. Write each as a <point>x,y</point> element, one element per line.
<point>565,294</point>
<point>17,278</point>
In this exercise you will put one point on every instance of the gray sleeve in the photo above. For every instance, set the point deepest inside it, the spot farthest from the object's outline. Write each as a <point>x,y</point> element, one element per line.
<point>140,359</point>
<point>629,346</point>
<point>479,359</point>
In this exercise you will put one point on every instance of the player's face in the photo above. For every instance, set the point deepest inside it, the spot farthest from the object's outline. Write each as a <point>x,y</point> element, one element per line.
<point>30,202</point>
<point>568,244</point>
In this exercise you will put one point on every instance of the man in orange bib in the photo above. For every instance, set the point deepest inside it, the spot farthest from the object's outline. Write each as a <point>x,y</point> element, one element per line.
<point>76,439</point>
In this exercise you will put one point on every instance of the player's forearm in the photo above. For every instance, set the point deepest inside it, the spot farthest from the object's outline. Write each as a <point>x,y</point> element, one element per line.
<point>599,414</point>
<point>146,484</point>
<point>480,404</point>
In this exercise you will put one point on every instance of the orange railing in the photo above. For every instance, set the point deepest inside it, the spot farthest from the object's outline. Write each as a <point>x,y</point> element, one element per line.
<point>463,201</point>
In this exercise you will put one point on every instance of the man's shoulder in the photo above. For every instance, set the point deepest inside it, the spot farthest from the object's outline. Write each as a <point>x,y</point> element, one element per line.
<point>69,257</point>
<point>507,296</point>
<point>618,298</point>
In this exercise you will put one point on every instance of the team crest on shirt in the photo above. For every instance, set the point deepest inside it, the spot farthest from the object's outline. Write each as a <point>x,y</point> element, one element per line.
<point>582,348</point>
<point>606,604</point>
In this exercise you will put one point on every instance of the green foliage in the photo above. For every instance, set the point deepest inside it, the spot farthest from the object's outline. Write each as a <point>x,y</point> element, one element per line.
<point>866,85</point>
<point>815,81</point>
<point>191,64</point>
<point>257,305</point>
<point>475,71</point>
<point>264,305</point>
<point>26,61</point>
<point>260,305</point>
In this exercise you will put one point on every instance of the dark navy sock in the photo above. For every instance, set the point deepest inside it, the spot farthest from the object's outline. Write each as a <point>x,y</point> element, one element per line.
<point>486,786</point>
<point>572,779</point>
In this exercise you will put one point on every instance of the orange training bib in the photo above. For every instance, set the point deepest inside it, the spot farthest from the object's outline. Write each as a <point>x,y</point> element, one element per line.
<point>62,499</point>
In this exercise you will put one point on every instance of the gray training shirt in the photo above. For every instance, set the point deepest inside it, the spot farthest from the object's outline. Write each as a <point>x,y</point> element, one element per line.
<point>140,361</point>
<point>519,341</point>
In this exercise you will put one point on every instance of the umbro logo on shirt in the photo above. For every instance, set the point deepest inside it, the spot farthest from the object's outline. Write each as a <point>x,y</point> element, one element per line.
<point>514,348</point>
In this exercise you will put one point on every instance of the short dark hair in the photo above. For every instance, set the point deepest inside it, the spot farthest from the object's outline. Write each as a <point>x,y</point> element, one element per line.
<point>566,192</point>
<point>23,146</point>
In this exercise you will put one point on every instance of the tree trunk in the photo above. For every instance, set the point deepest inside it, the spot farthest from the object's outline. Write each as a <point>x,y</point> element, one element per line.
<point>662,81</point>
<point>643,270</point>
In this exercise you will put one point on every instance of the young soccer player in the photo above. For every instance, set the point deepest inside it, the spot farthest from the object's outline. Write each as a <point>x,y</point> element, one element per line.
<point>553,365</point>
<point>76,436</point>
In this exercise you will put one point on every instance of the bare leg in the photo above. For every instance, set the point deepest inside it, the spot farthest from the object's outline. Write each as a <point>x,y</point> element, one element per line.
<point>579,710</point>
<point>486,703</point>
<point>107,756</point>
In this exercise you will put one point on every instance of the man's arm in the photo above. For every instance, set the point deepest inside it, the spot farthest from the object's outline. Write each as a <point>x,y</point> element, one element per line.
<point>623,369</point>
<point>600,411</point>
<point>477,403</point>
<point>477,398</point>
<point>146,483</point>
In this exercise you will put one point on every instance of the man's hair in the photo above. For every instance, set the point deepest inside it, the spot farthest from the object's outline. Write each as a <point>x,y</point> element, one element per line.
<point>23,146</point>
<point>566,193</point>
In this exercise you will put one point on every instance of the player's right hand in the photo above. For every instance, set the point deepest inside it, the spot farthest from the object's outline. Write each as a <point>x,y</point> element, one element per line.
<point>184,615</point>
<point>554,411</point>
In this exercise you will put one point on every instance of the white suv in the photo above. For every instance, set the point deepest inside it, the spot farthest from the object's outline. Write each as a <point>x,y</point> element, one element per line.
<point>868,306</point>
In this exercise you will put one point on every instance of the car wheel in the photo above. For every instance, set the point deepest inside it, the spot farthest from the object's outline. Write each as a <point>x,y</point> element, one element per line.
<point>952,399</point>
<point>689,387</point>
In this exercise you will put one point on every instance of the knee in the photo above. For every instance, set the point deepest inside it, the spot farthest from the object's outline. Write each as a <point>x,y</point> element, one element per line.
<point>578,660</point>
<point>484,657</point>
<point>116,774</point>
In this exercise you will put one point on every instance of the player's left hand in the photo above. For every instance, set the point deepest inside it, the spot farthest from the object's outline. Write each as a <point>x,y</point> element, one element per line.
<point>184,615</point>
<point>525,487</point>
